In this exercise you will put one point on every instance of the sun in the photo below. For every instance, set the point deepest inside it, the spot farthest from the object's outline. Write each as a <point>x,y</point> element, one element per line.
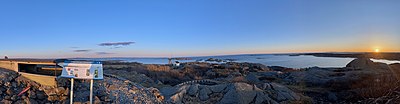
<point>377,50</point>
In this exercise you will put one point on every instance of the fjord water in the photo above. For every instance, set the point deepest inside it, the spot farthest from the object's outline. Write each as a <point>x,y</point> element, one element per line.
<point>301,61</point>
<point>297,61</point>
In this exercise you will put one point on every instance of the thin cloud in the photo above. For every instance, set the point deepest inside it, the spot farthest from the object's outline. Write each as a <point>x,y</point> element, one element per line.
<point>115,47</point>
<point>74,47</point>
<point>103,53</point>
<point>115,44</point>
<point>82,50</point>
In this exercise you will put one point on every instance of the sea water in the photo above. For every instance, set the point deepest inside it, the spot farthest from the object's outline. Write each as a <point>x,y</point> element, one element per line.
<point>302,61</point>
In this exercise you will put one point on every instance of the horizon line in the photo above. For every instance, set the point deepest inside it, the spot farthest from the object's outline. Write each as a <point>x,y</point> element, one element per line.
<point>279,53</point>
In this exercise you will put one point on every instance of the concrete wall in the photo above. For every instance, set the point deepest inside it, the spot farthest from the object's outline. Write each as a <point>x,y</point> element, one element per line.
<point>10,65</point>
<point>13,65</point>
<point>42,79</point>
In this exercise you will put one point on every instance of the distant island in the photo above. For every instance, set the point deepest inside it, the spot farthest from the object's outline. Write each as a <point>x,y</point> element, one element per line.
<point>374,55</point>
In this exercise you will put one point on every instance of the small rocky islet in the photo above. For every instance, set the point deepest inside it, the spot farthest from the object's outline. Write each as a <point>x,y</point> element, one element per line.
<point>361,81</point>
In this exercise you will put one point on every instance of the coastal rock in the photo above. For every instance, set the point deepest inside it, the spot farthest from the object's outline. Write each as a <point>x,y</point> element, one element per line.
<point>32,94</point>
<point>367,64</point>
<point>40,96</point>
<point>279,92</point>
<point>361,78</point>
<point>30,101</point>
<point>123,91</point>
<point>204,92</point>
<point>218,88</point>
<point>2,89</point>
<point>252,78</point>
<point>332,97</point>
<point>360,62</point>
<point>167,75</point>
<point>237,93</point>
<point>241,93</point>
<point>14,97</point>
<point>9,92</point>
<point>4,101</point>
<point>313,77</point>
<point>193,90</point>
<point>97,100</point>
<point>7,97</point>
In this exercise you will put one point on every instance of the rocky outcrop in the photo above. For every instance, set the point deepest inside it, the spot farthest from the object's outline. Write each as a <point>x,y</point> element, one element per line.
<point>166,74</point>
<point>312,77</point>
<point>279,92</point>
<point>367,64</point>
<point>11,84</point>
<point>361,78</point>
<point>230,93</point>
<point>134,77</point>
<point>110,90</point>
<point>360,63</point>
<point>203,82</point>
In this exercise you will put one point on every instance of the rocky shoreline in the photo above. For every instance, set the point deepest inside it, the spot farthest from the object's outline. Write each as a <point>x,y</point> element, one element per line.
<point>361,81</point>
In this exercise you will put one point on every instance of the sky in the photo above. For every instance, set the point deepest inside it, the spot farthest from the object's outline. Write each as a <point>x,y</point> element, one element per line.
<point>171,28</point>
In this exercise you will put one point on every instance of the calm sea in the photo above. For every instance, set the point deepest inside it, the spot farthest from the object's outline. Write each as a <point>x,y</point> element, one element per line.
<point>266,59</point>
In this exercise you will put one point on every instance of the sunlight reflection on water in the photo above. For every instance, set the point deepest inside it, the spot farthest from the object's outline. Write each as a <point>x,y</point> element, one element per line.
<point>385,61</point>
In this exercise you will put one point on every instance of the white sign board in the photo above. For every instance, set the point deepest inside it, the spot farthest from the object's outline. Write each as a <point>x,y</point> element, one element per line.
<point>82,70</point>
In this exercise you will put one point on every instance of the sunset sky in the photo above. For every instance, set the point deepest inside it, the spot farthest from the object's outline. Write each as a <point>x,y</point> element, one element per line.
<point>164,28</point>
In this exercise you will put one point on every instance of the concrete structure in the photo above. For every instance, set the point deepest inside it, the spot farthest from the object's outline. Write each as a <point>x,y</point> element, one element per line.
<point>39,70</point>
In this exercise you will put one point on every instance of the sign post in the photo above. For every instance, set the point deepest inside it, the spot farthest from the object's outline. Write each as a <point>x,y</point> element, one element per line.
<point>91,91</point>
<point>82,70</point>
<point>72,91</point>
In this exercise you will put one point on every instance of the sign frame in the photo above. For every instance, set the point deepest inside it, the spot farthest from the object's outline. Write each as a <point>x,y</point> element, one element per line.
<point>92,70</point>
<point>82,70</point>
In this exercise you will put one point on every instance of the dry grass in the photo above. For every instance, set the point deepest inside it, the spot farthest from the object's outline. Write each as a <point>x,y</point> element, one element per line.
<point>375,86</point>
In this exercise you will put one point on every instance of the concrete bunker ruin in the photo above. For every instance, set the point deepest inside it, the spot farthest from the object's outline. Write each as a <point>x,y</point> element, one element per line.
<point>42,71</point>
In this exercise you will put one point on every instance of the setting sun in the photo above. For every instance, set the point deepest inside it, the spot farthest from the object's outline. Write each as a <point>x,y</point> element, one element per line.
<point>377,50</point>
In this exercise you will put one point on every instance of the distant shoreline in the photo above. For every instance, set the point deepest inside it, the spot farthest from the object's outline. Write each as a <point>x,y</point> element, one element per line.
<point>385,56</point>
<point>382,55</point>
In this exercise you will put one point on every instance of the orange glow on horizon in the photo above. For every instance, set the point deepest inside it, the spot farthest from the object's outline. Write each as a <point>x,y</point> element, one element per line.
<point>377,50</point>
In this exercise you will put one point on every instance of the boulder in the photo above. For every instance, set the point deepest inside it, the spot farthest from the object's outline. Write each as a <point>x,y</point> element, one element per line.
<point>241,93</point>
<point>32,94</point>
<point>14,98</point>
<point>332,97</point>
<point>360,62</point>
<point>367,64</point>
<point>252,78</point>
<point>30,101</point>
<point>2,89</point>
<point>279,92</point>
<point>204,92</point>
<point>40,95</point>
<point>97,100</point>
<point>4,101</point>
<point>9,92</point>
<point>193,90</point>
<point>218,88</point>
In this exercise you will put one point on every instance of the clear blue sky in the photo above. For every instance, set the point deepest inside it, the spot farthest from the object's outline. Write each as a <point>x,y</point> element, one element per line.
<point>75,28</point>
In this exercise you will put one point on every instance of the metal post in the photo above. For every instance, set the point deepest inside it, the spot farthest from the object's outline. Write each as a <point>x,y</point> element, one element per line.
<point>72,91</point>
<point>91,91</point>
